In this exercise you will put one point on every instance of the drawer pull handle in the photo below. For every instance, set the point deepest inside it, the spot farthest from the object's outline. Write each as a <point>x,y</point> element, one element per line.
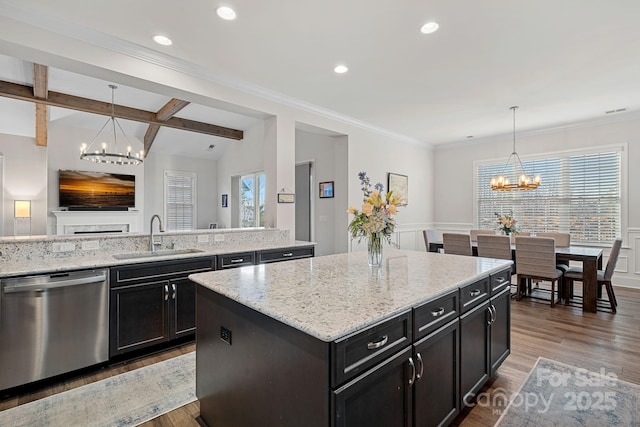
<point>377,344</point>
<point>288,254</point>
<point>235,261</point>
<point>501,280</point>
<point>474,293</point>
<point>413,372</point>
<point>419,374</point>
<point>437,313</point>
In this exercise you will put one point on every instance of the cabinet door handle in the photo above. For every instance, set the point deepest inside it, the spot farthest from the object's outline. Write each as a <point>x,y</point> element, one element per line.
<point>474,293</point>
<point>495,313</point>
<point>166,292</point>
<point>288,254</point>
<point>173,291</point>
<point>492,318</point>
<point>419,374</point>
<point>377,344</point>
<point>413,372</point>
<point>235,261</point>
<point>437,313</point>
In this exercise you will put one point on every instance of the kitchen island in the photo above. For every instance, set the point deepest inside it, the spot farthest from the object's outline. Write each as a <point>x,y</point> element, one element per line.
<point>330,341</point>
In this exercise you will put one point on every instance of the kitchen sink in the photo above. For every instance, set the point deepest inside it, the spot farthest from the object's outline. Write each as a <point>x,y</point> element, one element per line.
<point>149,254</point>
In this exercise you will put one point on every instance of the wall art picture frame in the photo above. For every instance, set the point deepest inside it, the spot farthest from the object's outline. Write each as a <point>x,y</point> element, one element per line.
<point>225,200</point>
<point>326,190</point>
<point>399,184</point>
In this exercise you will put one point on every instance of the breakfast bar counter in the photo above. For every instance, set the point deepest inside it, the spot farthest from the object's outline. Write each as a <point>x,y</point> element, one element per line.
<point>287,343</point>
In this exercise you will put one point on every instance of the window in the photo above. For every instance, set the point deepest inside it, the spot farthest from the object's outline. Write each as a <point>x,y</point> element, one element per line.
<point>580,194</point>
<point>252,200</point>
<point>180,200</point>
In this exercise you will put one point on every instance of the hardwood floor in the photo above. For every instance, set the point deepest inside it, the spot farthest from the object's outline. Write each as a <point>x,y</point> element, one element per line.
<point>588,340</point>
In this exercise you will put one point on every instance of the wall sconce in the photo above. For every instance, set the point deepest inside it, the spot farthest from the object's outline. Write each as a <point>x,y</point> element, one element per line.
<point>21,212</point>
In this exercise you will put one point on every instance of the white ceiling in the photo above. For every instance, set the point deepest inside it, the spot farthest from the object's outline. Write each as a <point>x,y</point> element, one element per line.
<point>561,61</point>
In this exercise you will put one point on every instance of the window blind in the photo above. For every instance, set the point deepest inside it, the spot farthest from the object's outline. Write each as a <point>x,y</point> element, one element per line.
<point>580,194</point>
<point>180,200</point>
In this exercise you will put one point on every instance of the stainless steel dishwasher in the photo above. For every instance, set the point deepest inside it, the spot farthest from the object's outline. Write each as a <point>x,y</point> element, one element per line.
<point>52,324</point>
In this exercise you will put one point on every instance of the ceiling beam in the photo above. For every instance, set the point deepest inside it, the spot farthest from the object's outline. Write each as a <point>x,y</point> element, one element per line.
<point>41,90</point>
<point>56,99</point>
<point>165,113</point>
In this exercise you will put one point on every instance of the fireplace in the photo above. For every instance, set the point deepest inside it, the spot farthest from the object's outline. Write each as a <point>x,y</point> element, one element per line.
<point>97,222</point>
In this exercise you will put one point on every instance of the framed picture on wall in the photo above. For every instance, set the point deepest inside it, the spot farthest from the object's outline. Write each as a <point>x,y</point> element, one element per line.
<point>225,200</point>
<point>399,184</point>
<point>326,190</point>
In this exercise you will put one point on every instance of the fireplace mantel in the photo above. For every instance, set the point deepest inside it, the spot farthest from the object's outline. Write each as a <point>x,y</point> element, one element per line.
<point>72,222</point>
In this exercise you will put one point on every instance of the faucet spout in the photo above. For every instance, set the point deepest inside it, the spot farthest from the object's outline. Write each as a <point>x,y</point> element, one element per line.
<point>152,243</point>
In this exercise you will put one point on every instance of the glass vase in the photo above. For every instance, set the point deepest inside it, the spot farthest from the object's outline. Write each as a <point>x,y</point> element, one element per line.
<point>374,249</point>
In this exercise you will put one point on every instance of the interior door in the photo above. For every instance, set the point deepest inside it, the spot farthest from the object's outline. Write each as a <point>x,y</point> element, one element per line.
<point>303,202</point>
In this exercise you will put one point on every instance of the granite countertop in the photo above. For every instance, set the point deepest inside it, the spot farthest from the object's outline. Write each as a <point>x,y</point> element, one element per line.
<point>332,296</point>
<point>105,260</point>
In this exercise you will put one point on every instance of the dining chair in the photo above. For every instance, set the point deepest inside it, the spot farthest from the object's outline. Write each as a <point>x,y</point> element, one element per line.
<point>536,260</point>
<point>563,240</point>
<point>604,276</point>
<point>495,246</point>
<point>457,244</point>
<point>475,233</point>
<point>430,235</point>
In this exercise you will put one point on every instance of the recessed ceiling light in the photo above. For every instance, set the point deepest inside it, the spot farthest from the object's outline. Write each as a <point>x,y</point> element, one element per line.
<point>429,27</point>
<point>226,13</point>
<point>341,69</point>
<point>163,40</point>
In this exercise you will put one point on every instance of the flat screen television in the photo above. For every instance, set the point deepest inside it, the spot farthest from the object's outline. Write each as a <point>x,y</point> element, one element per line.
<point>80,190</point>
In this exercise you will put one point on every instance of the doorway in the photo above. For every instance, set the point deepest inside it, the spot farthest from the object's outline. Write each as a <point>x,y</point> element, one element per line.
<point>304,193</point>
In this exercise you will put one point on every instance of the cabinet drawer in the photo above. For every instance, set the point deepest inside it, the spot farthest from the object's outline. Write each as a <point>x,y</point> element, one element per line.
<point>159,269</point>
<point>433,314</point>
<point>357,352</point>
<point>236,260</point>
<point>285,254</point>
<point>474,294</point>
<point>499,281</point>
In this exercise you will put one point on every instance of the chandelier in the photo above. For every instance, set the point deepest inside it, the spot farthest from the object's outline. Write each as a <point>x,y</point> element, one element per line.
<point>109,152</point>
<point>502,183</point>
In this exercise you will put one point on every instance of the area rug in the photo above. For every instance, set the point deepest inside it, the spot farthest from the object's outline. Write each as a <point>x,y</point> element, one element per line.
<point>126,399</point>
<point>555,394</point>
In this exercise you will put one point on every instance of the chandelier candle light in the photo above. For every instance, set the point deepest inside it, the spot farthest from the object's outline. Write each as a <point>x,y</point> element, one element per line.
<point>375,221</point>
<point>111,154</point>
<point>502,183</point>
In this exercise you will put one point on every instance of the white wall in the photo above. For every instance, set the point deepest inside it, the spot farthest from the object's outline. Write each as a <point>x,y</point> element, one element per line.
<point>328,155</point>
<point>206,185</point>
<point>25,178</point>
<point>242,157</point>
<point>454,178</point>
<point>63,151</point>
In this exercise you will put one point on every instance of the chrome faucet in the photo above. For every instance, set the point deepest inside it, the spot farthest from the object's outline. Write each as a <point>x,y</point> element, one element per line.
<point>152,244</point>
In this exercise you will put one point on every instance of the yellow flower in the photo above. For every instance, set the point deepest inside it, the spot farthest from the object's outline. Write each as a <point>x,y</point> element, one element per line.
<point>367,209</point>
<point>352,210</point>
<point>392,209</point>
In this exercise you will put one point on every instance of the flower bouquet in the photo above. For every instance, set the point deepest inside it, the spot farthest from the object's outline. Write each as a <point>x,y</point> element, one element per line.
<point>375,219</point>
<point>507,224</point>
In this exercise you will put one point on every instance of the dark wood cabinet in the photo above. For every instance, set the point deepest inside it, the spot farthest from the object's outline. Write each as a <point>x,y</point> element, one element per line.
<point>436,390</point>
<point>382,396</point>
<point>285,254</point>
<point>152,303</point>
<point>138,316</point>
<point>474,351</point>
<point>500,331</point>
<point>235,260</point>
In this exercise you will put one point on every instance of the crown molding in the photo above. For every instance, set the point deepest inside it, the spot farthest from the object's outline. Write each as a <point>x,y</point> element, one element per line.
<point>595,121</point>
<point>36,18</point>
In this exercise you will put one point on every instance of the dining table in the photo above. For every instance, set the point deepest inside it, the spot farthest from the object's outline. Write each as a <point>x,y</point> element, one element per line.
<point>590,257</point>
